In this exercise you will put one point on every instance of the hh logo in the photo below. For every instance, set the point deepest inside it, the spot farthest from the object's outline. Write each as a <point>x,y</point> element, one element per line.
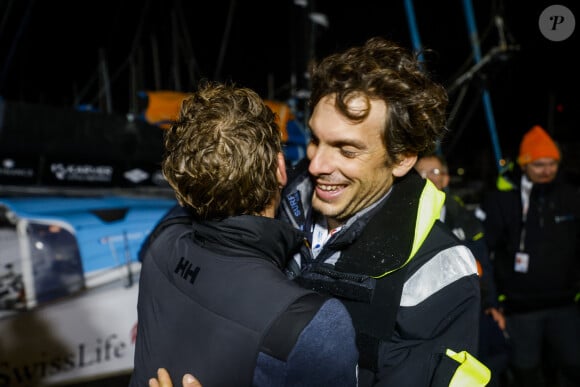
<point>184,269</point>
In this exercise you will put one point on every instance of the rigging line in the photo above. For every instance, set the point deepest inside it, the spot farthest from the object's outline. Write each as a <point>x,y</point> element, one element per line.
<point>457,105</point>
<point>139,31</point>
<point>85,89</point>
<point>113,78</point>
<point>464,68</point>
<point>175,43</point>
<point>12,50</point>
<point>225,39</point>
<point>414,29</point>
<point>187,45</point>
<point>123,65</point>
<point>486,98</point>
<point>5,18</point>
<point>463,124</point>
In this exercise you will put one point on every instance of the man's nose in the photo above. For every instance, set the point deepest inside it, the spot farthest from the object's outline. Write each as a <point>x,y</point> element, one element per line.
<point>320,160</point>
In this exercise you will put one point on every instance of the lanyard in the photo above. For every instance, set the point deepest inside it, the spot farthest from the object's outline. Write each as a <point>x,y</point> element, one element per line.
<point>526,191</point>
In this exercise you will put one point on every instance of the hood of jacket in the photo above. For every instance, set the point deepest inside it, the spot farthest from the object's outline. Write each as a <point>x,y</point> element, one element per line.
<point>248,236</point>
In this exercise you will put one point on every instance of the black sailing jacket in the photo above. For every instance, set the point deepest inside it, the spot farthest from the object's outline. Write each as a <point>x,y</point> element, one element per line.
<point>214,302</point>
<point>412,289</point>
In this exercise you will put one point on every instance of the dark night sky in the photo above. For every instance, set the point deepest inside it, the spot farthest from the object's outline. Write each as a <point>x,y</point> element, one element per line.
<point>50,54</point>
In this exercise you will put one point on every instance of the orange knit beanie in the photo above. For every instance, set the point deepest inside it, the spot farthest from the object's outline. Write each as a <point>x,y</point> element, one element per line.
<point>537,144</point>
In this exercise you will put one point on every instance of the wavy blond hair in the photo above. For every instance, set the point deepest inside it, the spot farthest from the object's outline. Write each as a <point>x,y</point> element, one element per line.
<point>221,154</point>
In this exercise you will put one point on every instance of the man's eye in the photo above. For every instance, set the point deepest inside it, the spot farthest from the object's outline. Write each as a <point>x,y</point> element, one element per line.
<point>348,153</point>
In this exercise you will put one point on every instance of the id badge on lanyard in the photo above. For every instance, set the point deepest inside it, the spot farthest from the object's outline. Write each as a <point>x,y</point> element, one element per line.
<point>522,259</point>
<point>521,262</point>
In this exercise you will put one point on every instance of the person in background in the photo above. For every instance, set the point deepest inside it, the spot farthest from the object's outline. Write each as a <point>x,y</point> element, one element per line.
<point>213,298</point>
<point>532,227</point>
<point>372,222</point>
<point>493,348</point>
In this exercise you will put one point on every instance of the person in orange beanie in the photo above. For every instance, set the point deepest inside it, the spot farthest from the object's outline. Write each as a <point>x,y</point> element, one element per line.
<point>533,233</point>
<point>537,144</point>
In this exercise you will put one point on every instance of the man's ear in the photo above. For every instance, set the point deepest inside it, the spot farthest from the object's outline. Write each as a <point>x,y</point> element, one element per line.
<point>281,171</point>
<point>404,165</point>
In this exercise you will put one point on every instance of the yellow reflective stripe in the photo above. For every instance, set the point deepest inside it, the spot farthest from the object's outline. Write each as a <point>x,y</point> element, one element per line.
<point>504,184</point>
<point>471,372</point>
<point>478,236</point>
<point>430,205</point>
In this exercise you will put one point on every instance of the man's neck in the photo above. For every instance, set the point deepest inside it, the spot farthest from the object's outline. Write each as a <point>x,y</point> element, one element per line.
<point>333,224</point>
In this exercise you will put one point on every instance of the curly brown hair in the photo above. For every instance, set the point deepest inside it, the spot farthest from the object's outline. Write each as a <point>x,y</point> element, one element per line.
<point>221,154</point>
<point>381,69</point>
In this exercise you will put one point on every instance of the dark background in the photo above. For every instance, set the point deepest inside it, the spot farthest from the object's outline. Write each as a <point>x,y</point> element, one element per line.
<point>56,53</point>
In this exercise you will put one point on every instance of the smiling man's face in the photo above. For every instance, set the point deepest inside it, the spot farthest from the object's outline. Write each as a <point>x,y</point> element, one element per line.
<point>348,160</point>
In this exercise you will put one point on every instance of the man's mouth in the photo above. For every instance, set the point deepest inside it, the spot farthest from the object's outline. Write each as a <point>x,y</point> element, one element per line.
<point>327,187</point>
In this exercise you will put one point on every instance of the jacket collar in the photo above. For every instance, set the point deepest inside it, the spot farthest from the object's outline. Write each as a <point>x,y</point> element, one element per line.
<point>249,236</point>
<point>393,230</point>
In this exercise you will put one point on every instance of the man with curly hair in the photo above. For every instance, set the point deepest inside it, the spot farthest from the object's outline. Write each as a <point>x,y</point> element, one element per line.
<point>213,298</point>
<point>377,243</point>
